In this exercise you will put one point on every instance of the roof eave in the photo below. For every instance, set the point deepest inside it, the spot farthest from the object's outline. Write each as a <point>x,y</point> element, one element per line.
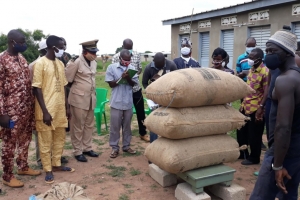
<point>226,11</point>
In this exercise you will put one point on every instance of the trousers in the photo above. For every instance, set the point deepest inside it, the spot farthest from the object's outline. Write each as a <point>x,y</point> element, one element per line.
<point>251,134</point>
<point>51,144</point>
<point>16,139</point>
<point>118,119</point>
<point>138,102</point>
<point>265,187</point>
<point>82,126</point>
<point>37,149</point>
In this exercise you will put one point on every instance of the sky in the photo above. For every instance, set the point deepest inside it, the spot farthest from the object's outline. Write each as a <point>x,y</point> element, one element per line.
<point>110,21</point>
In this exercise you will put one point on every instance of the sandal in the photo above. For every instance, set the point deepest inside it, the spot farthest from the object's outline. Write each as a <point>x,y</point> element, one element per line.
<point>49,179</point>
<point>114,154</point>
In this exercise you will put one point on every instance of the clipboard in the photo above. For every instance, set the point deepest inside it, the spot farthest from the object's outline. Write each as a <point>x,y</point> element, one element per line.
<point>131,73</point>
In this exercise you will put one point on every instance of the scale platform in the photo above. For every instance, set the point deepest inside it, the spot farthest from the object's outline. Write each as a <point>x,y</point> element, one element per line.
<point>206,176</point>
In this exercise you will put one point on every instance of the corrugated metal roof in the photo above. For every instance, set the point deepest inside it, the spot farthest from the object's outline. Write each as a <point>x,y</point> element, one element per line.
<point>242,7</point>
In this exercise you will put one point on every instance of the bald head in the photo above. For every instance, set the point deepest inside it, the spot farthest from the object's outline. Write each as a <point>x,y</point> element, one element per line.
<point>125,54</point>
<point>159,60</point>
<point>127,44</point>
<point>15,35</point>
<point>251,42</point>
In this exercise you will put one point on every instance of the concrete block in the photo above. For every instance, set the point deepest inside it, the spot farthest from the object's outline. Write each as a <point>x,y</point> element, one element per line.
<point>234,192</point>
<point>184,192</point>
<point>165,179</point>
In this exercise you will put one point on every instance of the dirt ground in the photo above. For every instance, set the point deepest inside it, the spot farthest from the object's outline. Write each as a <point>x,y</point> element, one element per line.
<point>123,178</point>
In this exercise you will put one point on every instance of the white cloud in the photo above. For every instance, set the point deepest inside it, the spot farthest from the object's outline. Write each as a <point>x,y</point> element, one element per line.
<point>109,21</point>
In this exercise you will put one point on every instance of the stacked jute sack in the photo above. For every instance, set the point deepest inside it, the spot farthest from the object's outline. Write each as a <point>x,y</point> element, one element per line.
<point>194,118</point>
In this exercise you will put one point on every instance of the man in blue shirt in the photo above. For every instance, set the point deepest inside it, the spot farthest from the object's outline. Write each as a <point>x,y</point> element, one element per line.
<point>242,67</point>
<point>120,103</point>
<point>186,61</point>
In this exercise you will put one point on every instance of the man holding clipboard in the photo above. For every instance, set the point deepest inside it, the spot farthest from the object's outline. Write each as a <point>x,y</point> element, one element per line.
<point>121,77</point>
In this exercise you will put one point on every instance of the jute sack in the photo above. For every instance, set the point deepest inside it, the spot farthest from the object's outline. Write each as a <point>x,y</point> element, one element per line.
<point>194,87</point>
<point>179,123</point>
<point>176,156</point>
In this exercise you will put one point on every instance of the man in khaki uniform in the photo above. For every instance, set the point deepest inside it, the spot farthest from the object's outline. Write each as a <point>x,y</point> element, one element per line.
<point>80,73</point>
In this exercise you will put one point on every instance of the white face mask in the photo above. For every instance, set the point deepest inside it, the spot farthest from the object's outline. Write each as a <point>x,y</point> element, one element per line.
<point>185,51</point>
<point>60,52</point>
<point>250,62</point>
<point>223,64</point>
<point>249,49</point>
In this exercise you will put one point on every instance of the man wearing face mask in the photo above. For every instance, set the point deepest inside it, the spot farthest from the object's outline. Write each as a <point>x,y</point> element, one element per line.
<point>186,61</point>
<point>251,133</point>
<point>120,103</point>
<point>16,105</point>
<point>51,108</point>
<point>66,56</point>
<point>242,67</point>
<point>137,95</point>
<point>82,99</point>
<point>279,174</point>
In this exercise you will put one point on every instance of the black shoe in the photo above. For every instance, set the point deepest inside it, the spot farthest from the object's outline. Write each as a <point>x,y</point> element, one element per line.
<point>63,160</point>
<point>81,158</point>
<point>248,162</point>
<point>91,153</point>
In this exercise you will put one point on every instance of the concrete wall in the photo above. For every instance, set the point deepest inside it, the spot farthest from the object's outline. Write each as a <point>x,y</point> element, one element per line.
<point>278,16</point>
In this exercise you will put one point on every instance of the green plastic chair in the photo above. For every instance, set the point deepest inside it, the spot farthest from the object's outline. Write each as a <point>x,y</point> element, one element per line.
<point>101,94</point>
<point>147,110</point>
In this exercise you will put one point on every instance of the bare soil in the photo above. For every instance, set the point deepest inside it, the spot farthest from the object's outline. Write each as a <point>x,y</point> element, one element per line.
<point>123,178</point>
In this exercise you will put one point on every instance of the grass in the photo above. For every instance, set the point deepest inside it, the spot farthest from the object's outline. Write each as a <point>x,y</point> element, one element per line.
<point>127,186</point>
<point>123,197</point>
<point>98,142</point>
<point>134,172</point>
<point>153,187</point>
<point>68,145</point>
<point>116,171</point>
<point>125,154</point>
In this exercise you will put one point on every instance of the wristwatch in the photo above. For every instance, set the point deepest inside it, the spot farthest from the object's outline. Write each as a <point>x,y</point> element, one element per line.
<point>276,168</point>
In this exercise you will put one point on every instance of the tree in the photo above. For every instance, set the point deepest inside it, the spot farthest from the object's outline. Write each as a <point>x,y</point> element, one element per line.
<point>32,40</point>
<point>119,49</point>
<point>148,51</point>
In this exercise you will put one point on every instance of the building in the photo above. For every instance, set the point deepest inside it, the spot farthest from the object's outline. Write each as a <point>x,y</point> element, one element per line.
<point>229,27</point>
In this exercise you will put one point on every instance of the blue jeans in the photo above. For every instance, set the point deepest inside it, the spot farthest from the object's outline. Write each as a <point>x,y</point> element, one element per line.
<point>153,137</point>
<point>265,187</point>
<point>267,115</point>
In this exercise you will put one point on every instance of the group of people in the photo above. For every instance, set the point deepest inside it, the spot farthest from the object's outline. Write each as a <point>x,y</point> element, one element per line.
<point>52,95</point>
<point>56,93</point>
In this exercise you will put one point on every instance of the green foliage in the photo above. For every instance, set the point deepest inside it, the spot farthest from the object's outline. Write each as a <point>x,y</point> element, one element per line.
<point>148,51</point>
<point>118,49</point>
<point>32,40</point>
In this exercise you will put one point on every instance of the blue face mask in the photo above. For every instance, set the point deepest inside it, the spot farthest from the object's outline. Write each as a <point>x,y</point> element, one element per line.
<point>19,48</point>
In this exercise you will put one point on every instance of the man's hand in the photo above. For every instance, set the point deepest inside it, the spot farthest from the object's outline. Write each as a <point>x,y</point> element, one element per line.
<point>126,76</point>
<point>68,113</point>
<point>4,121</point>
<point>47,118</point>
<point>279,176</point>
<point>259,114</point>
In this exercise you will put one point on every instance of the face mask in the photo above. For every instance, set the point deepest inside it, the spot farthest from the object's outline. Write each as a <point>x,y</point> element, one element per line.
<point>250,62</point>
<point>223,64</point>
<point>90,56</point>
<point>218,63</point>
<point>272,61</point>
<point>124,62</point>
<point>60,52</point>
<point>249,49</point>
<point>185,51</point>
<point>19,48</point>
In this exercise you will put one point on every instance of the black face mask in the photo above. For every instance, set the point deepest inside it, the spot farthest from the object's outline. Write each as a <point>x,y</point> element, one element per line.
<point>273,61</point>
